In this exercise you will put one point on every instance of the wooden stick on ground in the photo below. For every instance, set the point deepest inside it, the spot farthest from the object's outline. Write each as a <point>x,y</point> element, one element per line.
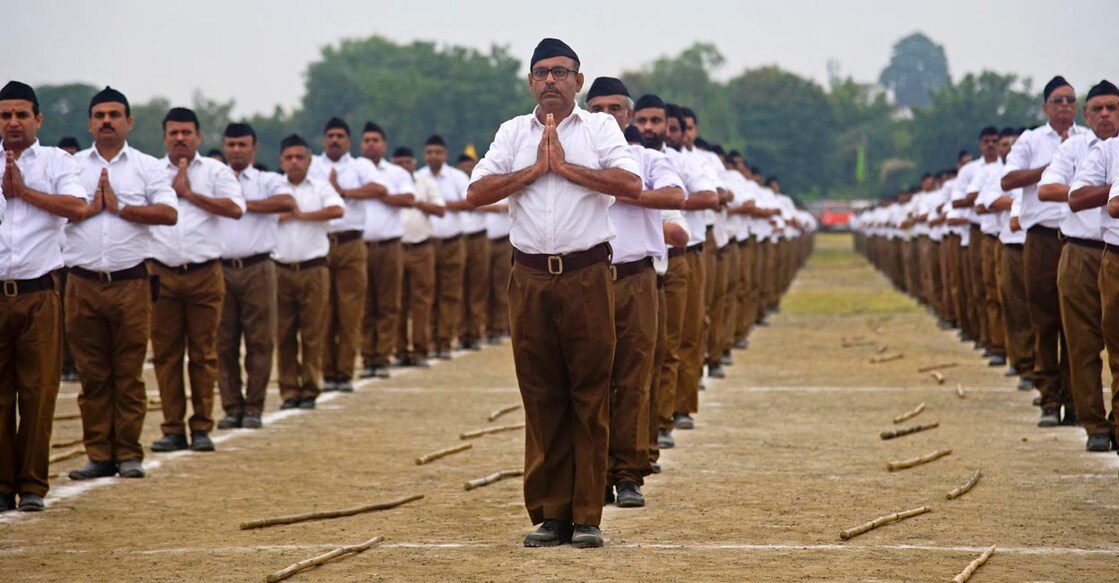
<point>939,377</point>
<point>66,443</point>
<point>937,367</point>
<point>973,566</point>
<point>882,520</point>
<point>489,430</point>
<point>321,559</point>
<point>968,485</point>
<point>886,358</point>
<point>882,349</point>
<point>960,391</point>
<point>68,454</point>
<point>917,461</point>
<point>430,457</point>
<point>68,417</point>
<point>910,414</point>
<point>502,411</point>
<point>857,343</point>
<point>494,477</point>
<point>328,513</point>
<point>908,430</point>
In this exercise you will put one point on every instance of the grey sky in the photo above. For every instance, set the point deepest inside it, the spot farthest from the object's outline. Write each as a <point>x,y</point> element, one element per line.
<point>256,52</point>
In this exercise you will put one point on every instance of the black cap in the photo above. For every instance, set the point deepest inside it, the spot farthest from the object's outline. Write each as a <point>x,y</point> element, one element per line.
<point>633,136</point>
<point>552,47</point>
<point>293,141</point>
<point>17,90</point>
<point>239,130</point>
<point>464,158</point>
<point>69,142</point>
<point>403,152</point>
<point>109,95</point>
<point>648,102</point>
<point>335,123</point>
<point>1054,84</point>
<point>372,127</point>
<point>1102,88</point>
<point>988,131</point>
<point>181,114</point>
<point>435,140</point>
<point>606,86</point>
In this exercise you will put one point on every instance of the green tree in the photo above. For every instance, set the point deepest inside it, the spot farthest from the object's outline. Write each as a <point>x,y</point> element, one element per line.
<point>65,109</point>
<point>918,67</point>
<point>863,121</point>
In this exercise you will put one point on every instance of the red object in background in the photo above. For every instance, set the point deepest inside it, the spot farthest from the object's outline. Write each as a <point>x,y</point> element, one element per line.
<point>835,219</point>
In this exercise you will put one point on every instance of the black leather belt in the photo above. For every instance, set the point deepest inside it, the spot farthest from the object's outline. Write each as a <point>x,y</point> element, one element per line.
<point>1109,248</point>
<point>243,262</point>
<point>477,235</point>
<point>559,264</point>
<point>186,268</point>
<point>1090,243</point>
<point>697,248</point>
<point>18,287</point>
<point>624,270</point>
<point>676,252</point>
<point>1017,246</point>
<point>384,242</point>
<point>138,271</point>
<point>501,239</point>
<point>343,237</point>
<point>417,245</point>
<point>1040,230</point>
<point>300,266</point>
<point>451,239</point>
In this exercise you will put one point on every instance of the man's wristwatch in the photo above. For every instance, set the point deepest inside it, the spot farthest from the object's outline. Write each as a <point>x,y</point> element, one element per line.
<point>120,208</point>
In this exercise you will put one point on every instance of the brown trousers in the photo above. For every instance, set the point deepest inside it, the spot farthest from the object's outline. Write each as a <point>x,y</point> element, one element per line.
<point>1020,342</point>
<point>30,370</point>
<point>746,294</point>
<point>716,308</point>
<point>977,296</point>
<point>249,313</point>
<point>109,327</point>
<point>773,276</point>
<point>417,296</point>
<point>729,318</point>
<point>501,264</point>
<point>658,367</point>
<point>949,256</point>
<point>964,309</point>
<point>563,351</point>
<point>185,321</point>
<point>1078,281</point>
<point>1109,295</point>
<point>676,282</point>
<point>302,306</point>
<point>347,273</point>
<point>691,350</point>
<point>635,328</point>
<point>761,276</point>
<point>450,260</point>
<point>380,328</point>
<point>996,325</point>
<point>1043,254</point>
<point>475,287</point>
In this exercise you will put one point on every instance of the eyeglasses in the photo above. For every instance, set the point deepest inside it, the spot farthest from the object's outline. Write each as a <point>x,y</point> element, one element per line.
<point>1111,107</point>
<point>558,73</point>
<point>1062,99</point>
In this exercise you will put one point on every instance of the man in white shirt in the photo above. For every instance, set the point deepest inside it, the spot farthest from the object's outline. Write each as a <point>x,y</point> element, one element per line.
<point>498,224</point>
<point>556,167</point>
<point>992,332</point>
<point>39,191</point>
<point>109,293</point>
<point>475,274</point>
<point>1109,268</point>
<point>1020,341</point>
<point>639,240</point>
<point>302,279</point>
<point>385,256</point>
<point>357,181</point>
<point>191,284</point>
<point>450,246</point>
<point>743,207</point>
<point>249,308</point>
<point>417,290</point>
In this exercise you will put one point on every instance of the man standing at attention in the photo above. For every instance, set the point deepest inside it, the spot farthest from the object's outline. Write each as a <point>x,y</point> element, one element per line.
<point>555,166</point>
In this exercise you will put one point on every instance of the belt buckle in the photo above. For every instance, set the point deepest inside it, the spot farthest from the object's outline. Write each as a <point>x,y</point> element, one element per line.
<point>555,264</point>
<point>239,263</point>
<point>11,290</point>
<point>104,277</point>
<point>613,272</point>
<point>298,265</point>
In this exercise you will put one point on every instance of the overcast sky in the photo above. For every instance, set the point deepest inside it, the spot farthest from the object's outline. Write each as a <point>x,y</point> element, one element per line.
<point>256,52</point>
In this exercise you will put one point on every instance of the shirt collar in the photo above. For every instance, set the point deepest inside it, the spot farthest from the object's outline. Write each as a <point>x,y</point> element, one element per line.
<point>249,173</point>
<point>121,155</point>
<point>32,150</point>
<point>578,112</point>
<point>194,159</point>
<point>345,157</point>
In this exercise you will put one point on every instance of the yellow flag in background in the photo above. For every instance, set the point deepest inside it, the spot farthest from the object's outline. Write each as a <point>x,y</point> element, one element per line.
<point>470,151</point>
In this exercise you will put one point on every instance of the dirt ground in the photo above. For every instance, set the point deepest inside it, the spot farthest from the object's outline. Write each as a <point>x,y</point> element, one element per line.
<point>785,454</point>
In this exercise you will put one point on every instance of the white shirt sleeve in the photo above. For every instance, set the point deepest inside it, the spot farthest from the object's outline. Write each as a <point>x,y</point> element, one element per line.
<point>1020,153</point>
<point>1092,171</point>
<point>158,184</point>
<point>227,186</point>
<point>67,178</point>
<point>499,158</point>
<point>613,151</point>
<point>1060,170</point>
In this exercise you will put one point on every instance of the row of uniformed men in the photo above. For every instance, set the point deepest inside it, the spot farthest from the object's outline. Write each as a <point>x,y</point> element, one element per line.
<point>1019,248</point>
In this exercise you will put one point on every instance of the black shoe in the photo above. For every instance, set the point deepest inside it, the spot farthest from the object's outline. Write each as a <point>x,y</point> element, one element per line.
<point>1025,384</point>
<point>289,404</point>
<point>70,377</point>
<point>742,344</point>
<point>551,533</point>
<point>988,353</point>
<point>200,441</point>
<point>7,502</point>
<point>1099,442</point>
<point>1010,372</point>
<point>308,403</point>
<point>493,340</point>
<point>29,502</point>
<point>997,360</point>
<point>443,354</point>
<point>943,325</point>
<point>1037,401</point>
<point>132,469</point>
<point>1070,419</point>
<point>421,363</point>
<point>586,537</point>
<point>715,371</point>
<point>964,336</point>
<point>345,386</point>
<point>608,499</point>
<point>93,469</point>
<point>1050,417</point>
<point>170,442</point>
<point>654,466</point>
<point>381,372</point>
<point>230,422</point>
<point>630,496</point>
<point>252,422</point>
<point>665,440</point>
<point>727,359</point>
<point>683,421</point>
<point>329,385</point>
<point>367,372</point>
<point>405,361</point>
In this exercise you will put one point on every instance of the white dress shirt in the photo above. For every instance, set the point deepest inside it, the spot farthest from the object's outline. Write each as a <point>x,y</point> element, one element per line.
<point>384,221</point>
<point>1034,149</point>
<point>198,236</point>
<point>1100,167</point>
<point>298,240</point>
<point>105,242</point>
<point>351,173</point>
<point>552,215</point>
<point>988,184</point>
<point>762,227</point>
<point>744,191</point>
<point>452,184</point>
<point>696,179</point>
<point>417,224</point>
<point>31,238</point>
<point>253,233</point>
<point>1063,169</point>
<point>640,230</point>
<point>669,217</point>
<point>498,225</point>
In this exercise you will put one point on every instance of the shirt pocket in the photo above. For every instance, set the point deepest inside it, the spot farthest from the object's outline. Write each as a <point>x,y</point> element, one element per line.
<point>129,185</point>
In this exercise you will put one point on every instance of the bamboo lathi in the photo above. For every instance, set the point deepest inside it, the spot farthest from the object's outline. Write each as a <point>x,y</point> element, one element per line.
<point>321,559</point>
<point>69,417</point>
<point>937,367</point>
<point>974,566</point>
<point>960,391</point>
<point>882,521</point>
<point>66,443</point>
<point>937,376</point>
<point>489,430</point>
<point>966,487</point>
<point>278,520</point>
<point>910,414</point>
<point>917,461</point>
<point>492,478</point>
<point>894,433</point>
<point>430,457</point>
<point>503,410</point>
<point>887,358</point>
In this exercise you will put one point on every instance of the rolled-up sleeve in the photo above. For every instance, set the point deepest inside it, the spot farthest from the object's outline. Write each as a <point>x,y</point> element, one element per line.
<point>499,158</point>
